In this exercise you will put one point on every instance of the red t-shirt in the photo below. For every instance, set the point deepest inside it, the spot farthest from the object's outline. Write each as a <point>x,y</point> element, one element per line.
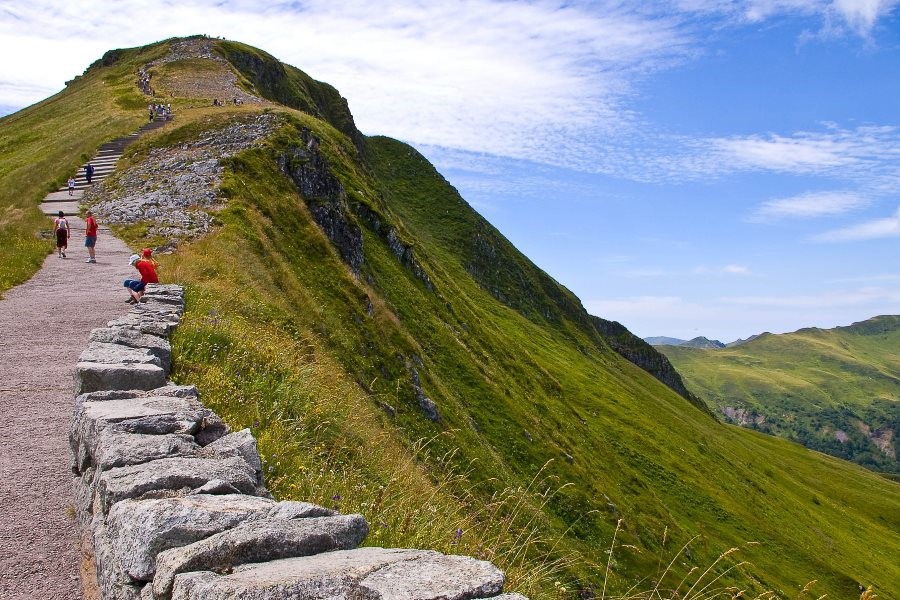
<point>90,229</point>
<point>148,273</point>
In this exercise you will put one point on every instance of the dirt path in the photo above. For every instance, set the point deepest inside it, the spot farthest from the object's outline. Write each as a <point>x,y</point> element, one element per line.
<point>44,326</point>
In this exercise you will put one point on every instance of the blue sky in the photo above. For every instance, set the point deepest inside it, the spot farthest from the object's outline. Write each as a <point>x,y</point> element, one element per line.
<point>687,167</point>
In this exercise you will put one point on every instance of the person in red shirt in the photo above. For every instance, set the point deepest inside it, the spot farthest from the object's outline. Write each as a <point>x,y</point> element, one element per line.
<point>90,235</point>
<point>147,268</point>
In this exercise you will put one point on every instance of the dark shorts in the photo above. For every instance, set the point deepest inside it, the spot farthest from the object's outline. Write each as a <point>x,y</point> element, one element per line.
<point>90,241</point>
<point>135,285</point>
<point>62,238</point>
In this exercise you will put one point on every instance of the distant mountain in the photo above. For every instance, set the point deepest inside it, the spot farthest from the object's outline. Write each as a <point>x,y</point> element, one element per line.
<point>833,390</point>
<point>702,342</point>
<point>661,340</point>
<point>697,342</point>
<point>738,342</point>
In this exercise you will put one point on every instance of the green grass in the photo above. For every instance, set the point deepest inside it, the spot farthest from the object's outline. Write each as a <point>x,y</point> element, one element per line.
<point>808,385</point>
<point>551,449</point>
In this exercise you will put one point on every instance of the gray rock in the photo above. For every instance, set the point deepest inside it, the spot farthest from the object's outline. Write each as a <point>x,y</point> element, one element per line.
<point>150,415</point>
<point>509,597</point>
<point>370,573</point>
<point>114,584</point>
<point>139,530</point>
<point>158,327</point>
<point>135,481</point>
<point>435,577</point>
<point>117,354</point>
<point>331,575</point>
<point>258,541</point>
<point>211,429</point>
<point>241,444</point>
<point>176,391</point>
<point>133,338</point>
<point>216,486</point>
<point>123,449</point>
<point>90,377</point>
<point>289,509</point>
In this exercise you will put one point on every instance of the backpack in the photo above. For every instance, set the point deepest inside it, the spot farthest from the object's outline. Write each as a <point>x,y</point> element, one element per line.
<point>61,224</point>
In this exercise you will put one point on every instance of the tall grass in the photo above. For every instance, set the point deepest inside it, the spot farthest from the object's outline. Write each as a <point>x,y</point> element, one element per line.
<point>322,441</point>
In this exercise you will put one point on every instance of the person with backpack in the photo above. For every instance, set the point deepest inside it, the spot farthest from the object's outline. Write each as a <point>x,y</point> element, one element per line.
<point>147,268</point>
<point>89,172</point>
<point>90,235</point>
<point>61,227</point>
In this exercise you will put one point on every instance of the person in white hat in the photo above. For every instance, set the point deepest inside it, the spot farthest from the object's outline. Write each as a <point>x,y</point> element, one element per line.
<point>136,287</point>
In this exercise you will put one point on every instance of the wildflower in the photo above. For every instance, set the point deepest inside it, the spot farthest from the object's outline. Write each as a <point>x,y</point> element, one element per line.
<point>456,536</point>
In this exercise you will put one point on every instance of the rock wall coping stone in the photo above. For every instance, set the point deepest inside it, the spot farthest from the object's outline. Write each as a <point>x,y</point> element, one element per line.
<point>172,504</point>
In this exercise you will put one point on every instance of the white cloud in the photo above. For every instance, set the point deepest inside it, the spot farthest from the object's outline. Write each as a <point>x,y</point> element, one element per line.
<point>730,318</point>
<point>870,230</point>
<point>736,270</point>
<point>540,81</point>
<point>533,80</point>
<point>724,270</point>
<point>837,16</point>
<point>811,204</point>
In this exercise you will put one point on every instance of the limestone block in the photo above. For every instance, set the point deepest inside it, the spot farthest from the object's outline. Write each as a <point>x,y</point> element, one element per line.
<point>92,376</point>
<point>114,584</point>
<point>169,474</point>
<point>259,541</point>
<point>116,354</point>
<point>133,338</point>
<point>329,575</point>
<point>157,327</point>
<point>138,530</point>
<point>435,577</point>
<point>149,415</point>
<point>241,444</point>
<point>123,449</point>
<point>372,573</point>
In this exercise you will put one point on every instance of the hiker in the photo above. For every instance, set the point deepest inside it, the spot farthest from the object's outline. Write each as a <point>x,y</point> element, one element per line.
<point>90,235</point>
<point>89,172</point>
<point>61,227</point>
<point>151,114</point>
<point>71,185</point>
<point>147,269</point>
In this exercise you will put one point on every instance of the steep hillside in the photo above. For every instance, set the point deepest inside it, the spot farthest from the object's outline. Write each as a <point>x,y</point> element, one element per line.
<point>395,355</point>
<point>834,390</point>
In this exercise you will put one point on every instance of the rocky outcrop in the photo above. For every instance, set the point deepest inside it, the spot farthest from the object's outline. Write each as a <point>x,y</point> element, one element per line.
<point>642,354</point>
<point>175,189</point>
<point>172,504</point>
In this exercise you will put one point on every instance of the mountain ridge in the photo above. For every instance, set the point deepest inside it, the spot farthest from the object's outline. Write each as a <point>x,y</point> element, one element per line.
<point>834,390</point>
<point>347,304</point>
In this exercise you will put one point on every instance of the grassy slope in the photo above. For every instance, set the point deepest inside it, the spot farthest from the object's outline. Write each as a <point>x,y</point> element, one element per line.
<point>270,275</point>
<point>43,144</point>
<point>810,383</point>
<point>280,337</point>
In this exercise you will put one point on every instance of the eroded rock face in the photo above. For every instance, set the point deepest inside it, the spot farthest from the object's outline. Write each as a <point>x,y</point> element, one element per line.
<point>176,189</point>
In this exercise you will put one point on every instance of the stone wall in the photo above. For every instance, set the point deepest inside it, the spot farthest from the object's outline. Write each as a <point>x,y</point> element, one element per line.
<point>172,504</point>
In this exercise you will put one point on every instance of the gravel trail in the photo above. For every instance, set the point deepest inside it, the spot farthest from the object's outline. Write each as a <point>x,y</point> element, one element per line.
<point>44,326</point>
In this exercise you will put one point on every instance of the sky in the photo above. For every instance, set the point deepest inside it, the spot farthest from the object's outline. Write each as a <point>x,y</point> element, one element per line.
<point>686,167</point>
